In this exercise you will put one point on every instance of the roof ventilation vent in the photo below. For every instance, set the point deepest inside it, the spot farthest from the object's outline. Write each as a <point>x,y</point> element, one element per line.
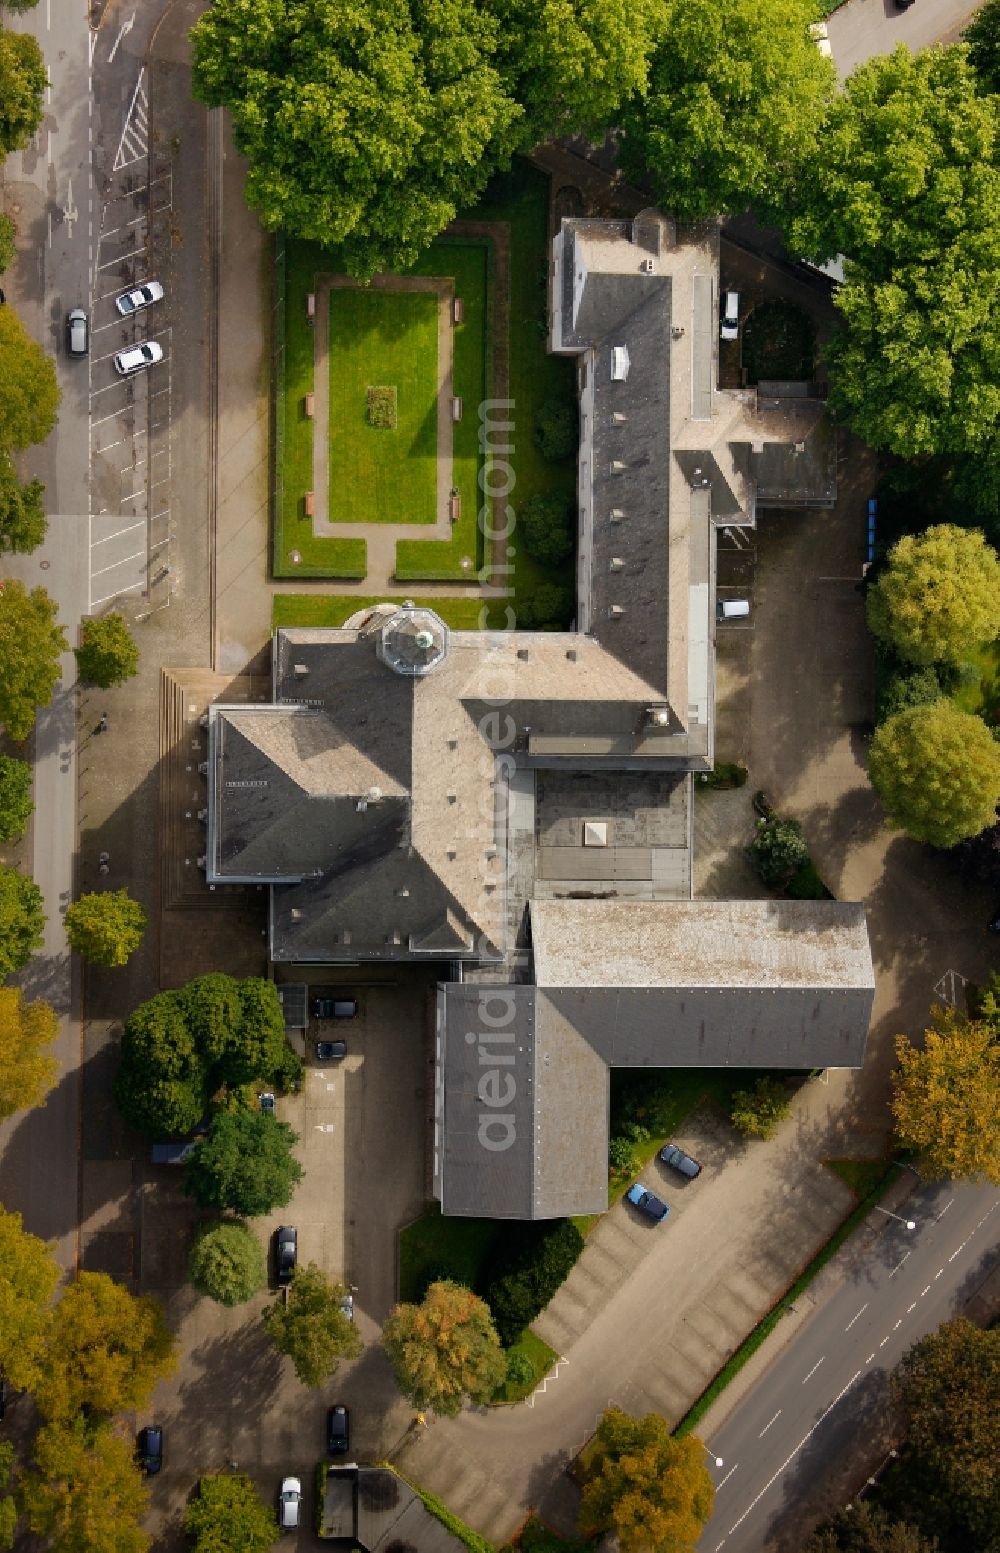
<point>203,768</point>
<point>344,937</point>
<point>619,363</point>
<point>523,653</point>
<point>453,743</point>
<point>616,611</point>
<point>403,893</point>
<point>374,795</point>
<point>203,863</point>
<point>297,914</point>
<point>453,798</point>
<point>203,816</point>
<point>617,515</point>
<point>300,670</point>
<point>646,266</point>
<point>617,564</point>
<point>395,937</point>
<point>800,447</point>
<point>617,467</point>
<point>571,654</point>
<point>618,417</point>
<point>658,716</point>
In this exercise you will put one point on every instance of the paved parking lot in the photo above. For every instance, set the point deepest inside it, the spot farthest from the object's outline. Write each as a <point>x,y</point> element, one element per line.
<point>237,1400</point>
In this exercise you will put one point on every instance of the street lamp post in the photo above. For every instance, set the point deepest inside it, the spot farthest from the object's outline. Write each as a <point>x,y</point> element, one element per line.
<point>907,1223</point>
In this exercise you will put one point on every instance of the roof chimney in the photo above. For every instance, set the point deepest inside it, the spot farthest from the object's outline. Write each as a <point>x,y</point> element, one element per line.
<point>617,564</point>
<point>300,670</point>
<point>658,716</point>
<point>617,515</point>
<point>617,466</point>
<point>571,654</point>
<point>616,610</point>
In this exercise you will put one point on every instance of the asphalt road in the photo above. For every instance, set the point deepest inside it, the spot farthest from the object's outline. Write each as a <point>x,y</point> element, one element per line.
<point>827,1389</point>
<point>866,27</point>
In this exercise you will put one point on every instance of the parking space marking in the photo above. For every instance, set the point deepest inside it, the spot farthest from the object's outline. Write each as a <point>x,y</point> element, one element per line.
<point>134,144</point>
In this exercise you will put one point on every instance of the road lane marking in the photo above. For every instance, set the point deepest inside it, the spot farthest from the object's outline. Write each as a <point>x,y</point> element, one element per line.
<point>869,1358</point>
<point>753,1504</point>
<point>925,1291</point>
<point>884,1341</point>
<point>725,1480</point>
<point>813,1370</point>
<point>937,1274</point>
<point>944,1210</point>
<point>911,1307</point>
<point>899,1323</point>
<point>956,1253</point>
<point>898,1265</point>
<point>854,1318</point>
<point>767,1427</point>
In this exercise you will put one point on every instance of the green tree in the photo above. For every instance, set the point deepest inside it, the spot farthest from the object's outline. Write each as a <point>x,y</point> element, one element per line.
<point>16,802</point>
<point>161,1085</point>
<point>736,97</point>
<point>367,127</point>
<point>545,529</point>
<point>22,920</point>
<point>107,1350</point>
<point>86,1493</point>
<point>550,605</point>
<point>28,1278</point>
<point>228,1263</point>
<point>865,1528</point>
<point>27,1070</point>
<point>8,1504</point>
<point>983,38</point>
<point>256,1044</point>
<point>229,1516</point>
<point>901,689</point>
<point>937,772</point>
<point>947,1385</point>
<point>29,392</point>
<point>758,1112</point>
<point>557,429</point>
<point>649,1490</point>
<point>778,848</point>
<point>22,511</point>
<point>105,927</point>
<point>21,5</point>
<point>522,1280</point>
<point>445,1349</point>
<point>946,1097</point>
<point>8,247</point>
<point>107,653</point>
<point>30,644</point>
<point>211,1010</point>
<point>939,595</point>
<point>908,186</point>
<point>312,1328</point>
<point>245,1164</point>
<point>22,89</point>
<point>571,64</point>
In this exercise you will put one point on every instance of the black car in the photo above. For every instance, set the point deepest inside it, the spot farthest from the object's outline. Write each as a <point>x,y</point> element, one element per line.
<point>286,1251</point>
<point>149,1449</point>
<point>334,1008</point>
<point>679,1161</point>
<point>326,1051</point>
<point>338,1430</point>
<point>647,1202</point>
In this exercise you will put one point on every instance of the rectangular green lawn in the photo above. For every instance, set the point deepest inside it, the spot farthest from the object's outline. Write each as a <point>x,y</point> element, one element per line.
<point>383,339</point>
<point>332,609</point>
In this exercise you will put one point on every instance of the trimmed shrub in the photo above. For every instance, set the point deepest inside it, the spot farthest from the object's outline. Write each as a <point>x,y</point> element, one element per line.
<point>777,850</point>
<point>228,1262</point>
<point>550,605</point>
<point>557,429</point>
<point>905,688</point>
<point>539,1260</point>
<point>621,1161</point>
<point>545,529</point>
<point>757,1112</point>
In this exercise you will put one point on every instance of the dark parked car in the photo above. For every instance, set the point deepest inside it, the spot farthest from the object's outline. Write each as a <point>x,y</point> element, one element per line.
<point>286,1251</point>
<point>326,1051</point>
<point>647,1202</point>
<point>149,1449</point>
<point>679,1161</point>
<point>334,1008</point>
<point>338,1430</point>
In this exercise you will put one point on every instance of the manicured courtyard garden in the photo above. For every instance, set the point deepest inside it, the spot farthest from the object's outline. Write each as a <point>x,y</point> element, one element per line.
<point>383,406</point>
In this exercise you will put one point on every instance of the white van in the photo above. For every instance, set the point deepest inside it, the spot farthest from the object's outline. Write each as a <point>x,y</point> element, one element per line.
<point>732,609</point>
<point>729,328</point>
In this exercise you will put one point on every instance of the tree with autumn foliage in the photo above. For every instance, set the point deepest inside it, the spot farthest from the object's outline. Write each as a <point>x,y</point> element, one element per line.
<point>946,1097</point>
<point>28,1278</point>
<point>948,1385</point>
<point>27,1071</point>
<point>649,1490</point>
<point>86,1493</point>
<point>445,1349</point>
<point>107,1350</point>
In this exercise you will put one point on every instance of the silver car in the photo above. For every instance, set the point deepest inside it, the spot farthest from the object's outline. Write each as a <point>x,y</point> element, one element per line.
<point>77,332</point>
<point>137,357</point>
<point>290,1503</point>
<point>143,295</point>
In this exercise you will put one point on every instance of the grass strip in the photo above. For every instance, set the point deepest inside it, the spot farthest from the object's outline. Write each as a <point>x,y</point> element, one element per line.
<point>764,1328</point>
<point>332,609</point>
<point>542,1358</point>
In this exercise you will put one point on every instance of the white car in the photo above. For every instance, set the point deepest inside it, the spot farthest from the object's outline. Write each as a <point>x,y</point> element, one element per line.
<point>137,357</point>
<point>143,295</point>
<point>290,1503</point>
